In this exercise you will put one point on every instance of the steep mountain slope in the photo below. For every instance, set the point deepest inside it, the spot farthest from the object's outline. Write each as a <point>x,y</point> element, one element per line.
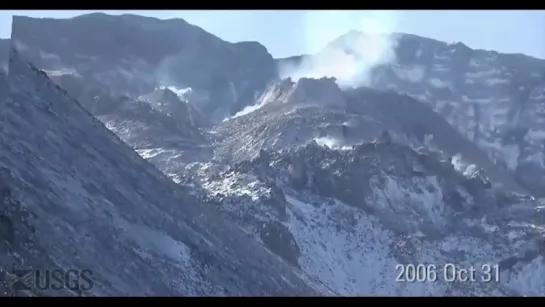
<point>164,137</point>
<point>132,54</point>
<point>351,217</point>
<point>343,185</point>
<point>119,87</point>
<point>293,113</point>
<point>426,69</point>
<point>4,50</point>
<point>304,176</point>
<point>491,98</point>
<point>74,196</point>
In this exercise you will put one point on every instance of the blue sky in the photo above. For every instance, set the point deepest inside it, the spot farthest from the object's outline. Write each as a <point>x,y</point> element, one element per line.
<point>286,33</point>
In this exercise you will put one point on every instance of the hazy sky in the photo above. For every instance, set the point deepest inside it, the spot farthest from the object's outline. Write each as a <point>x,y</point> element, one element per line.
<point>286,33</point>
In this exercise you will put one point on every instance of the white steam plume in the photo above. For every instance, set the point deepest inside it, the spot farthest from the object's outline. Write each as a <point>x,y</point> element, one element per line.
<point>351,60</point>
<point>332,143</point>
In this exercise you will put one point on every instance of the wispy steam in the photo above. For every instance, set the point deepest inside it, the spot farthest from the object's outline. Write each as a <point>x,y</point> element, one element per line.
<point>350,59</point>
<point>182,93</point>
<point>247,110</point>
<point>332,143</point>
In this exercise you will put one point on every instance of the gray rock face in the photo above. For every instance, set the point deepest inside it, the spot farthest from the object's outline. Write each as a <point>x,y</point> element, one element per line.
<point>143,126</point>
<point>166,101</point>
<point>335,190</point>
<point>80,198</point>
<point>4,50</point>
<point>491,98</point>
<point>152,131</point>
<point>323,92</point>
<point>119,79</point>
<point>355,209</point>
<point>357,216</point>
<point>361,115</point>
<point>278,239</point>
<point>133,55</point>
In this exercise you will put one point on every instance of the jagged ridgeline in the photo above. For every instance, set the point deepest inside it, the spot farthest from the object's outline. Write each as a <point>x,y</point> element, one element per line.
<point>263,185</point>
<point>85,200</point>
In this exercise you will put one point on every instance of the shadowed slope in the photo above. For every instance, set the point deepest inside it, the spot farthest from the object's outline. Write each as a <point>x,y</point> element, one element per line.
<point>80,198</point>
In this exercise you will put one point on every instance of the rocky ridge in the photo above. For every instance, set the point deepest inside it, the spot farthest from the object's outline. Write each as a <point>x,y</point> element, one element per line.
<point>133,55</point>
<point>493,99</point>
<point>98,205</point>
<point>366,178</point>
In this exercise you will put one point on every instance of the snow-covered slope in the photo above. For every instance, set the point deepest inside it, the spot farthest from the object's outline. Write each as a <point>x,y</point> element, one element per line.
<point>338,187</point>
<point>74,196</point>
<point>292,116</point>
<point>306,179</point>
<point>354,218</point>
<point>167,138</point>
<point>491,98</point>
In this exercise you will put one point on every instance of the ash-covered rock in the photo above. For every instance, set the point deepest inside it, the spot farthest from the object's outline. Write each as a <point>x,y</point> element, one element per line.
<point>279,240</point>
<point>356,213</point>
<point>341,186</point>
<point>491,98</point>
<point>135,54</point>
<point>152,132</point>
<point>367,113</point>
<point>166,101</point>
<point>321,92</point>
<point>81,198</point>
<point>278,91</point>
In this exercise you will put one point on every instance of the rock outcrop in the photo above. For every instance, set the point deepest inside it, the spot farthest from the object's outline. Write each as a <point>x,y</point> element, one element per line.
<point>81,198</point>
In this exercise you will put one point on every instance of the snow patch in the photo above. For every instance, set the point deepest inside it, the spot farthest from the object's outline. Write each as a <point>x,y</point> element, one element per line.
<point>58,73</point>
<point>440,68</point>
<point>149,153</point>
<point>438,83</point>
<point>495,81</point>
<point>482,74</point>
<point>235,184</point>
<point>529,279</point>
<point>180,92</point>
<point>331,143</point>
<point>351,260</point>
<point>538,158</point>
<point>153,241</point>
<point>474,63</point>
<point>392,197</point>
<point>412,74</point>
<point>533,135</point>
